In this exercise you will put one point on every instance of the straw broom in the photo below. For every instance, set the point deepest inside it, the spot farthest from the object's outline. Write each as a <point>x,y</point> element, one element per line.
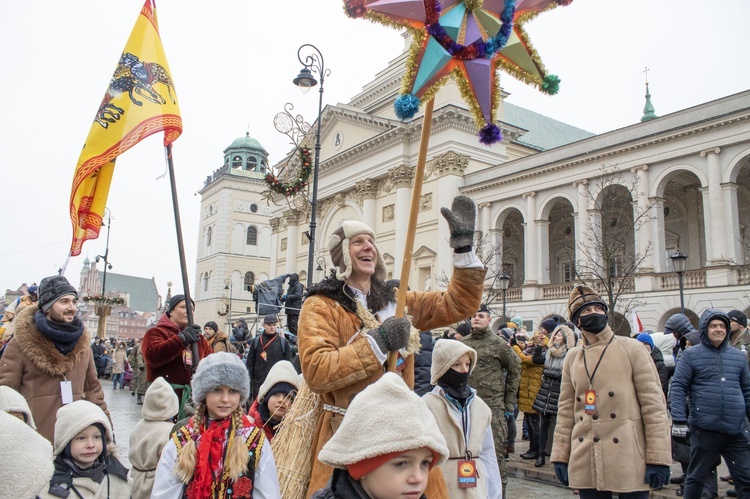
<point>292,446</point>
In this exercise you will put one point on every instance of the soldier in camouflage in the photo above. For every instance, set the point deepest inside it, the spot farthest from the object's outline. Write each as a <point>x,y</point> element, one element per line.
<point>495,378</point>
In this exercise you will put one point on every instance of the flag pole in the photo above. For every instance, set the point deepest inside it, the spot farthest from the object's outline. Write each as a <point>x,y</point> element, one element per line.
<point>181,250</point>
<point>416,195</point>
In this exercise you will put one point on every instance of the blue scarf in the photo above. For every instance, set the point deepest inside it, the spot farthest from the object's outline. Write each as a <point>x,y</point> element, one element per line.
<point>64,335</point>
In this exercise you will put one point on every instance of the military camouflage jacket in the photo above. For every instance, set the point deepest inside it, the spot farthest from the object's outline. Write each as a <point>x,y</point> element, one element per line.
<point>498,371</point>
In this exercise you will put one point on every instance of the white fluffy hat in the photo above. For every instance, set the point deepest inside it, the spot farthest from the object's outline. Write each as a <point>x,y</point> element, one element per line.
<point>281,372</point>
<point>73,418</point>
<point>445,353</point>
<point>338,248</point>
<point>26,459</point>
<point>12,401</point>
<point>385,417</point>
<point>217,369</point>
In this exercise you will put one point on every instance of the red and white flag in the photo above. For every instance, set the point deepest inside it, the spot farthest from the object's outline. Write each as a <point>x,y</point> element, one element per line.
<point>636,325</point>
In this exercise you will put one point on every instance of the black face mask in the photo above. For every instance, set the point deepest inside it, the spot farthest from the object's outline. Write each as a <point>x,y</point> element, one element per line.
<point>593,323</point>
<point>455,384</point>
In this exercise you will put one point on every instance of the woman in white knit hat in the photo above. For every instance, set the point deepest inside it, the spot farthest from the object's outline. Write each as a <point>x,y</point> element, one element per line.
<point>219,453</point>
<point>275,397</point>
<point>471,470</point>
<point>347,326</point>
<point>386,445</point>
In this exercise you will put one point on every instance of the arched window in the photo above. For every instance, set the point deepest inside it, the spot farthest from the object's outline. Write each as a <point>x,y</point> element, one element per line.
<point>205,282</point>
<point>237,162</point>
<point>209,234</point>
<point>249,280</point>
<point>263,166</point>
<point>252,236</point>
<point>252,163</point>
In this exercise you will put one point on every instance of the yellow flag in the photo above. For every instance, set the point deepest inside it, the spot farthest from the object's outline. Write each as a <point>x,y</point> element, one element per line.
<point>139,101</point>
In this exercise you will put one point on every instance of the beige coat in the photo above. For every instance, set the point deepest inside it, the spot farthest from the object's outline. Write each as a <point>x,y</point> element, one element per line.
<point>119,358</point>
<point>609,450</point>
<point>32,366</point>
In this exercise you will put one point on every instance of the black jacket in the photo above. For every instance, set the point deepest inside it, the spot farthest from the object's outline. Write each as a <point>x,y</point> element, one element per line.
<point>661,368</point>
<point>293,302</point>
<point>258,367</point>
<point>423,364</point>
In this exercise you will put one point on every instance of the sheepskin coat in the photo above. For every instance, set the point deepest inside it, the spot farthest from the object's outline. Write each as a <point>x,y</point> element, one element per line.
<point>220,342</point>
<point>119,358</point>
<point>33,367</point>
<point>630,424</point>
<point>338,363</point>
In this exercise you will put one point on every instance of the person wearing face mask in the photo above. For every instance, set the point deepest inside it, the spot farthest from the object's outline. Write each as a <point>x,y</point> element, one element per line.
<point>611,411</point>
<point>465,422</point>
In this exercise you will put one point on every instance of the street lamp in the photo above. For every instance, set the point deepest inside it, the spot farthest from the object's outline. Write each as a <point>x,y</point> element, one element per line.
<point>105,256</point>
<point>305,80</point>
<point>504,283</point>
<point>229,286</point>
<point>321,265</point>
<point>678,261</point>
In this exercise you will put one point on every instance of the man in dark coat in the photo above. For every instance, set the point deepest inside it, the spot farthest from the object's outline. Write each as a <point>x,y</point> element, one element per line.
<point>716,379</point>
<point>293,302</point>
<point>264,351</point>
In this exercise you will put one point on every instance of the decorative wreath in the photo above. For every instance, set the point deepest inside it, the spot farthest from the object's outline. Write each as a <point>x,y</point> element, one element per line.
<point>102,300</point>
<point>299,182</point>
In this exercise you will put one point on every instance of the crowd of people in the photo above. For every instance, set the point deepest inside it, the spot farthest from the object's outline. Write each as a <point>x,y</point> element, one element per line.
<point>401,413</point>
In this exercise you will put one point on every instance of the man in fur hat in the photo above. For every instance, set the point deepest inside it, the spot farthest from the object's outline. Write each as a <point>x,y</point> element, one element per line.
<point>49,360</point>
<point>348,326</point>
<point>611,411</point>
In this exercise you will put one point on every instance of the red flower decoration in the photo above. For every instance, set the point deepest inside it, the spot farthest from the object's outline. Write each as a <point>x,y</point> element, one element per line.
<point>242,487</point>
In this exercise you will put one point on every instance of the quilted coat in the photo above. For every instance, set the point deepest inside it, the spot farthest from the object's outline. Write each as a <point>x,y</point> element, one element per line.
<point>549,394</point>
<point>630,424</point>
<point>33,367</point>
<point>531,379</point>
<point>338,363</point>
<point>716,381</point>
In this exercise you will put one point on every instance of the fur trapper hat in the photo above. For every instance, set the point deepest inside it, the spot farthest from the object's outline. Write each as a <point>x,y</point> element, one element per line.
<point>73,418</point>
<point>282,372</point>
<point>445,353</point>
<point>384,418</point>
<point>160,402</point>
<point>338,248</point>
<point>53,288</point>
<point>217,369</point>
<point>12,401</point>
<point>580,297</point>
<point>26,458</point>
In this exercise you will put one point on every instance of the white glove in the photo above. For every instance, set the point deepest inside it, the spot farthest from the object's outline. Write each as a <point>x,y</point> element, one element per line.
<point>679,430</point>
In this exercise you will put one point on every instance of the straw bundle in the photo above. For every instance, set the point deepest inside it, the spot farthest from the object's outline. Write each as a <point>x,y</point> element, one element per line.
<point>292,444</point>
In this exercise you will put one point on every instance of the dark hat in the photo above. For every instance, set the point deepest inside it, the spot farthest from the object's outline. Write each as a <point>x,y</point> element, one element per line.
<point>212,325</point>
<point>174,301</point>
<point>483,308</point>
<point>464,329</point>
<point>549,324</point>
<point>270,319</point>
<point>32,289</point>
<point>52,289</point>
<point>738,317</point>
<point>580,297</point>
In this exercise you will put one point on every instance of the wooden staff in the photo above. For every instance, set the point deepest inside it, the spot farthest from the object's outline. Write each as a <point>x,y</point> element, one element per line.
<point>413,216</point>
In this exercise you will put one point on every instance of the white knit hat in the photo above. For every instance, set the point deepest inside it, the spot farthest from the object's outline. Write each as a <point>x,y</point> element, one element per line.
<point>445,353</point>
<point>73,418</point>
<point>338,248</point>
<point>12,401</point>
<point>281,372</point>
<point>26,459</point>
<point>385,417</point>
<point>160,402</point>
<point>220,369</point>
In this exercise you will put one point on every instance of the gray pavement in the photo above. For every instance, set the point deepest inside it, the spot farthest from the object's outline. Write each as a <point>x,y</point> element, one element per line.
<point>125,415</point>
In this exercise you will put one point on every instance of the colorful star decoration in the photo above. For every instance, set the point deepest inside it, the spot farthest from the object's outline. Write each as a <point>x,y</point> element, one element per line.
<point>469,39</point>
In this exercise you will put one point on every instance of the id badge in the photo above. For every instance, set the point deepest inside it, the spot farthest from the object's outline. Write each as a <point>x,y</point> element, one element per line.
<point>66,392</point>
<point>187,357</point>
<point>467,473</point>
<point>400,363</point>
<point>590,401</point>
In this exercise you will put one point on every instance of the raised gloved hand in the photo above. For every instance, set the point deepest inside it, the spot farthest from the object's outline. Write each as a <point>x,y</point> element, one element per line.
<point>657,475</point>
<point>190,334</point>
<point>679,430</point>
<point>393,334</point>
<point>461,222</point>
<point>561,472</point>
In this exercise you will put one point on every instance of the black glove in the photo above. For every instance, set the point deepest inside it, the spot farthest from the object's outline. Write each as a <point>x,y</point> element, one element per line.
<point>393,334</point>
<point>461,222</point>
<point>190,334</point>
<point>657,475</point>
<point>561,472</point>
<point>513,341</point>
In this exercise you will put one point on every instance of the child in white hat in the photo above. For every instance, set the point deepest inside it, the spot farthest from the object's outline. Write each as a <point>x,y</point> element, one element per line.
<point>385,447</point>
<point>464,420</point>
<point>218,453</point>
<point>275,397</point>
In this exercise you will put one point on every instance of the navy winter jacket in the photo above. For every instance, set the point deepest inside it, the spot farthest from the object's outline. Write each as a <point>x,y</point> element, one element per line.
<point>716,381</point>
<point>423,364</point>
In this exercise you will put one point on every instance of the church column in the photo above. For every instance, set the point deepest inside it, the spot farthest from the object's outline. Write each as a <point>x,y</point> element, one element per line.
<point>642,219</point>
<point>401,177</point>
<point>449,169</point>
<point>713,209</point>
<point>484,228</point>
<point>658,237</point>
<point>731,210</point>
<point>595,244</point>
<point>293,241</point>
<point>275,224</point>
<point>582,220</point>
<point>542,227</point>
<point>367,191</point>
<point>531,237</point>
<point>496,240</point>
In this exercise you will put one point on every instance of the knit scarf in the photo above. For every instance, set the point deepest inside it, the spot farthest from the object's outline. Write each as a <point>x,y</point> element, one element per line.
<point>210,459</point>
<point>64,335</point>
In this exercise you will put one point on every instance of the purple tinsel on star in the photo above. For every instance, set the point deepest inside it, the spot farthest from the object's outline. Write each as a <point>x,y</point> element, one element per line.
<point>406,106</point>
<point>490,134</point>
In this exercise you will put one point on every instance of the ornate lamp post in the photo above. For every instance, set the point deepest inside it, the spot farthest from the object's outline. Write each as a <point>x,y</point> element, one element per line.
<point>678,261</point>
<point>305,80</point>
<point>229,286</point>
<point>504,280</point>
<point>102,307</point>
<point>321,267</point>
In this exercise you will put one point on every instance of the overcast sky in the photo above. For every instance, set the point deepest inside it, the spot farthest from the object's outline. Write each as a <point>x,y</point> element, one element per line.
<point>232,62</point>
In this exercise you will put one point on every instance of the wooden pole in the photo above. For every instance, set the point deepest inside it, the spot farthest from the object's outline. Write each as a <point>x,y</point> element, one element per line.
<point>411,230</point>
